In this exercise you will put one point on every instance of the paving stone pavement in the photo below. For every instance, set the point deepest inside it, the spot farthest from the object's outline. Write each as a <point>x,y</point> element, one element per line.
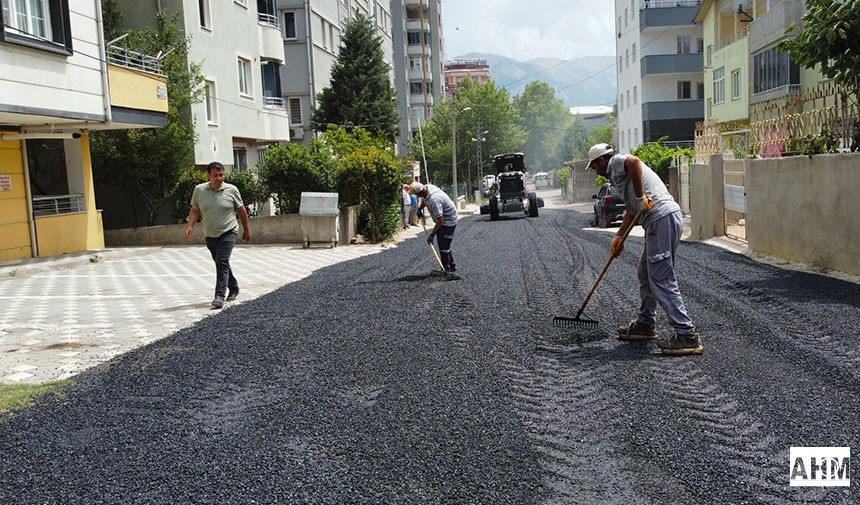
<point>59,316</point>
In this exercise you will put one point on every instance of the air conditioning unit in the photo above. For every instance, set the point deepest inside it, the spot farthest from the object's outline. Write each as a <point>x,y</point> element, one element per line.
<point>297,133</point>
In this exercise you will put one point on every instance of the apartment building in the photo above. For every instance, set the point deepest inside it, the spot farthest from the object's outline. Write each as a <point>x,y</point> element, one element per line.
<point>743,66</point>
<point>239,45</point>
<point>59,81</point>
<point>312,31</point>
<point>418,61</point>
<point>456,71</point>
<point>661,88</point>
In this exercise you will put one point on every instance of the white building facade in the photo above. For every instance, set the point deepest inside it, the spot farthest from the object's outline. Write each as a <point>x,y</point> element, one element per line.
<point>660,72</point>
<point>239,46</point>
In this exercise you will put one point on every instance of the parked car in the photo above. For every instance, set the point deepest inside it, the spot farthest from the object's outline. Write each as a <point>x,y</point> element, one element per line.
<point>608,207</point>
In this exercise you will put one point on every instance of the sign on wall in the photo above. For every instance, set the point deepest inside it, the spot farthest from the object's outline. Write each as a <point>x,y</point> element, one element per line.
<point>5,182</point>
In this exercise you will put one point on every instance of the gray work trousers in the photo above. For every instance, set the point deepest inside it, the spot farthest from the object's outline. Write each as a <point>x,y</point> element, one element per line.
<point>221,248</point>
<point>657,282</point>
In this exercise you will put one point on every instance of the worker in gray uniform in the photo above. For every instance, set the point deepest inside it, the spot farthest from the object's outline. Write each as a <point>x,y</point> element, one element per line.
<point>444,215</point>
<point>648,200</point>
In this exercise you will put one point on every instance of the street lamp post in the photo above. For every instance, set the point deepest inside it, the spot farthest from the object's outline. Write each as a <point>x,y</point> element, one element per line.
<point>454,114</point>
<point>481,138</point>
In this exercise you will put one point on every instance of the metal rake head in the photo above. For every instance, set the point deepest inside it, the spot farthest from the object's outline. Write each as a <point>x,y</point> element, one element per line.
<point>575,322</point>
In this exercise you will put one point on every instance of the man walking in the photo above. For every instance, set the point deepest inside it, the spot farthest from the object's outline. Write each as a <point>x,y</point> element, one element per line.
<point>444,215</point>
<point>648,200</point>
<point>217,203</point>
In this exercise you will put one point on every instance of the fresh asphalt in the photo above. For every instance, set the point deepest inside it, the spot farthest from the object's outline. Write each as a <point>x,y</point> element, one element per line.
<point>371,381</point>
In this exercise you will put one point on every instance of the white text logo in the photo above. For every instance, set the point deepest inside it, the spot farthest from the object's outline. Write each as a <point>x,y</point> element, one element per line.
<point>820,466</point>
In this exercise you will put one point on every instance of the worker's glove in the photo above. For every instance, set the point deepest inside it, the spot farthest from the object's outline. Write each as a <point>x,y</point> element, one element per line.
<point>617,245</point>
<point>431,237</point>
<point>643,205</point>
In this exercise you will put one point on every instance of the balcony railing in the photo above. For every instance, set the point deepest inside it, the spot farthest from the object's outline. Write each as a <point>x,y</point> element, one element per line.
<point>664,4</point>
<point>778,92</point>
<point>269,19</point>
<point>731,39</point>
<point>55,205</point>
<point>132,59</point>
<point>274,102</point>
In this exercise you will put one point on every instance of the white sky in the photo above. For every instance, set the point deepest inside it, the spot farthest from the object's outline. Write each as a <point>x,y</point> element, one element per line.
<point>527,29</point>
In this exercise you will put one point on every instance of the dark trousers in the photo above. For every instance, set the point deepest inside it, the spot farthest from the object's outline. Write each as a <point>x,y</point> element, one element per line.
<point>221,248</point>
<point>445,236</point>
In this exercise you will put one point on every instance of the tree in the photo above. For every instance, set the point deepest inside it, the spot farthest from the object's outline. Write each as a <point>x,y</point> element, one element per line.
<point>360,93</point>
<point>545,120</point>
<point>288,170</point>
<point>149,163</point>
<point>659,157</point>
<point>599,134</point>
<point>375,174</point>
<point>254,192</point>
<point>489,108</point>
<point>829,40</point>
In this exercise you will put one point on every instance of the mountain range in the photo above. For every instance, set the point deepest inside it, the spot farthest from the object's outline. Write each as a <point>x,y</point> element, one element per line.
<point>578,82</point>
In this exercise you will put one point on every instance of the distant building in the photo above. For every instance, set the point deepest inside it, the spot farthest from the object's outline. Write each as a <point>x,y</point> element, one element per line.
<point>592,115</point>
<point>417,40</point>
<point>456,71</point>
<point>661,88</point>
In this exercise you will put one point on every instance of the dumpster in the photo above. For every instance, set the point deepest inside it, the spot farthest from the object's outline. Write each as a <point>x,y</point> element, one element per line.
<point>319,218</point>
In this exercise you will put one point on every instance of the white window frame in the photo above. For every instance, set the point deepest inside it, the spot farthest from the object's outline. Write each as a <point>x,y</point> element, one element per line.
<point>205,12</point>
<point>684,44</point>
<point>295,104</point>
<point>685,88</point>
<point>243,3</point>
<point>736,84</point>
<point>243,69</point>
<point>719,85</point>
<point>26,21</point>
<point>211,102</point>
<point>287,35</point>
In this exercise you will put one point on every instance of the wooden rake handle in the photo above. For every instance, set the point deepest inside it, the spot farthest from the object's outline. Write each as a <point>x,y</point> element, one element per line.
<point>436,254</point>
<point>606,267</point>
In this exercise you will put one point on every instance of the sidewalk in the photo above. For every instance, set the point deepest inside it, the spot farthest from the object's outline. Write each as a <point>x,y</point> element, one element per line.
<point>62,315</point>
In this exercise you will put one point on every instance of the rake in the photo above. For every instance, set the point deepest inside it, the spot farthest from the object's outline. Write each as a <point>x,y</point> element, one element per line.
<point>578,321</point>
<point>432,248</point>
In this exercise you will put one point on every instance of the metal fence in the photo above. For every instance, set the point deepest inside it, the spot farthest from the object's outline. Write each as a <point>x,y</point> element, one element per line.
<point>55,205</point>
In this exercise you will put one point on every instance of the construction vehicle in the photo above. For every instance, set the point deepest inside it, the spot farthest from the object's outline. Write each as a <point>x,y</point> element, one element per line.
<point>508,192</point>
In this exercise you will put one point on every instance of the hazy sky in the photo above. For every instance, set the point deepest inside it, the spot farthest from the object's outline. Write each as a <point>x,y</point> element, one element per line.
<point>527,29</point>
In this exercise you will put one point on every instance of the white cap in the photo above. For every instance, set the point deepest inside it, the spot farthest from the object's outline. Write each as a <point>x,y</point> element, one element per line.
<point>598,150</point>
<point>416,188</point>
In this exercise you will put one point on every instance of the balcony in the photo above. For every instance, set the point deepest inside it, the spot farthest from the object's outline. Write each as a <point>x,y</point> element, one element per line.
<point>770,27</point>
<point>415,24</point>
<point>667,13</point>
<point>675,109</point>
<point>138,90</point>
<point>774,93</point>
<point>269,38</point>
<point>671,64</point>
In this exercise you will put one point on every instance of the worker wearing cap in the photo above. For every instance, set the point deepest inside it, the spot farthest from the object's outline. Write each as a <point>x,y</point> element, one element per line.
<point>648,200</point>
<point>444,215</point>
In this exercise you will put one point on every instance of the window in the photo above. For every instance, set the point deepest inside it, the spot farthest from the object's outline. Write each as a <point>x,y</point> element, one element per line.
<point>620,62</point>
<point>414,63</point>
<point>41,24</point>
<point>267,8</point>
<point>683,44</point>
<point>271,73</point>
<point>700,45</point>
<point>621,101</point>
<point>205,14</point>
<point>700,90</point>
<point>415,88</point>
<point>240,159</point>
<point>635,136</point>
<point>634,53</point>
<point>244,67</point>
<point>635,95</point>
<point>295,111</point>
<point>211,103</point>
<point>625,17</point>
<point>684,90</point>
<point>243,3</point>
<point>290,25</point>
<point>736,84</point>
<point>720,85</point>
<point>626,58</point>
<point>324,33</point>
<point>773,69</point>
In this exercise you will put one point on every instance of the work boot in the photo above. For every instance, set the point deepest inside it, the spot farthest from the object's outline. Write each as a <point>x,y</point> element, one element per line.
<point>217,303</point>
<point>232,295</point>
<point>681,345</point>
<point>636,332</point>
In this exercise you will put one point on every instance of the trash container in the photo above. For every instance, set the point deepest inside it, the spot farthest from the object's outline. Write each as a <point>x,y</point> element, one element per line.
<point>319,218</point>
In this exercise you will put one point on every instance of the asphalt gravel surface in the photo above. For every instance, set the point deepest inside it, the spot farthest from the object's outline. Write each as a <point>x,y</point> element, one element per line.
<point>374,382</point>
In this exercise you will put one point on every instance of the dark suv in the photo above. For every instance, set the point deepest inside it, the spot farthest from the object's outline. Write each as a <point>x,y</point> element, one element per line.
<point>608,207</point>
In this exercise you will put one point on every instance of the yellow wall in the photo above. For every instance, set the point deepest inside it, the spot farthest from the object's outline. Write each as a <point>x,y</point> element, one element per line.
<point>136,89</point>
<point>14,230</point>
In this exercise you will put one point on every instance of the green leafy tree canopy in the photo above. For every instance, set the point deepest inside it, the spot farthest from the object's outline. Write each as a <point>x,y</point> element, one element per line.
<point>545,120</point>
<point>288,170</point>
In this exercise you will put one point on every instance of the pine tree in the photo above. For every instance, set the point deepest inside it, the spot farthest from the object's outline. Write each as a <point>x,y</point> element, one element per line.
<point>360,93</point>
